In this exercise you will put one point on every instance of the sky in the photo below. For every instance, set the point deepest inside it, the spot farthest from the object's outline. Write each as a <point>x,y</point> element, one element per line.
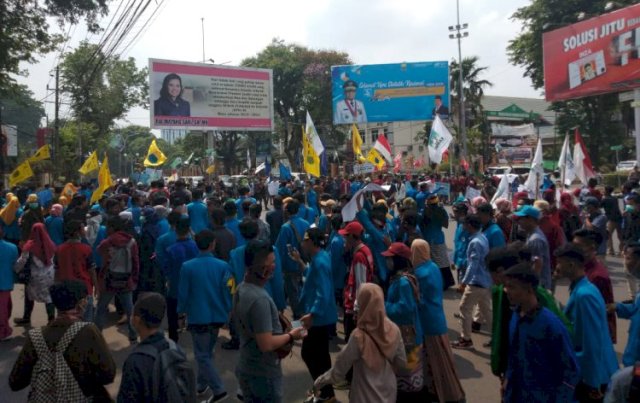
<point>370,31</point>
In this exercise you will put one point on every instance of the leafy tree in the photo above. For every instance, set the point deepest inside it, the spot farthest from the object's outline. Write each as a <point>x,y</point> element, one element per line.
<point>101,93</point>
<point>301,83</point>
<point>25,30</point>
<point>594,115</point>
<point>20,109</point>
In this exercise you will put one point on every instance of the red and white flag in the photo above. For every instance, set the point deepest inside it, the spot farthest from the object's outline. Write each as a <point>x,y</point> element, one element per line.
<point>418,163</point>
<point>383,147</point>
<point>397,163</point>
<point>581,161</point>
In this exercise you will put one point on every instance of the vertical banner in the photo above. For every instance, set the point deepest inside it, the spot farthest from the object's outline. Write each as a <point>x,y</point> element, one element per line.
<point>263,149</point>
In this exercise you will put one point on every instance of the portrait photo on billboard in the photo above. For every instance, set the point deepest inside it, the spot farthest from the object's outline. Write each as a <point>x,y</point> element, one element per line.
<point>200,96</point>
<point>390,92</point>
<point>591,57</point>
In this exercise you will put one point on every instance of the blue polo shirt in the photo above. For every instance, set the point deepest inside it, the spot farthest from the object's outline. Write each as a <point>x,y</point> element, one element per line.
<point>8,257</point>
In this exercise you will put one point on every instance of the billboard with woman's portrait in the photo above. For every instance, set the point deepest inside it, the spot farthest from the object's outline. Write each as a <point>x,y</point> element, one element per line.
<point>200,96</point>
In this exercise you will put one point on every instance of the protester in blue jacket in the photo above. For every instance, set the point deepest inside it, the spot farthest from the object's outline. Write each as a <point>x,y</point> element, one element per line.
<point>460,239</point>
<point>336,251</point>
<point>376,238</point>
<point>198,212</point>
<point>587,313</point>
<point>631,310</point>
<point>55,224</point>
<point>318,303</point>
<point>204,295</point>
<point>490,229</point>
<point>244,195</point>
<point>290,237</point>
<point>232,223</point>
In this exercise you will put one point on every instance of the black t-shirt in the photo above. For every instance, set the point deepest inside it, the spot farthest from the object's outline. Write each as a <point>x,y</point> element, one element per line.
<point>611,208</point>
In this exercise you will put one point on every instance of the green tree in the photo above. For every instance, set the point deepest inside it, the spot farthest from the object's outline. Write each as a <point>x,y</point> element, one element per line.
<point>25,30</point>
<point>594,115</point>
<point>20,109</point>
<point>102,93</point>
<point>301,83</point>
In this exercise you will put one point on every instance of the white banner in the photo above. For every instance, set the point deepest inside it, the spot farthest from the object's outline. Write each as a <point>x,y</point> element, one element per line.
<point>350,210</point>
<point>439,140</point>
<point>498,130</point>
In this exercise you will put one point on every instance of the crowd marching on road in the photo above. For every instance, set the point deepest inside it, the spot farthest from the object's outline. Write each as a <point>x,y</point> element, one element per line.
<point>329,262</point>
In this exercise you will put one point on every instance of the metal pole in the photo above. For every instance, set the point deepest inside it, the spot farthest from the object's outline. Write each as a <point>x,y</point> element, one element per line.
<point>463,131</point>
<point>202,22</point>
<point>636,115</point>
<point>56,125</point>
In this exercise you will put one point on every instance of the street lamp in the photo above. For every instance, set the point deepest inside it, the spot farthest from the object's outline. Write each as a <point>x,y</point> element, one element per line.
<point>458,32</point>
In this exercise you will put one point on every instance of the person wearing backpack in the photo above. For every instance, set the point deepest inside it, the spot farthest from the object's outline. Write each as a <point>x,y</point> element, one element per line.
<point>157,370</point>
<point>68,360</point>
<point>118,275</point>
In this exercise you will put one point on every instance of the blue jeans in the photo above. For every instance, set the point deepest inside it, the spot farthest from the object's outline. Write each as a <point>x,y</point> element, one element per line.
<point>89,310</point>
<point>259,389</point>
<point>204,343</point>
<point>292,287</point>
<point>127,305</point>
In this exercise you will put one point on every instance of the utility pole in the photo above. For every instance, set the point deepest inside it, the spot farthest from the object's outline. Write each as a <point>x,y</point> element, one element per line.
<point>56,125</point>
<point>202,22</point>
<point>459,35</point>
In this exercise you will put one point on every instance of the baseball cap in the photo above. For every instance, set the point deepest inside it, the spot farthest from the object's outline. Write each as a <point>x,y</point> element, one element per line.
<point>399,249</point>
<point>528,211</point>
<point>353,228</point>
<point>592,201</point>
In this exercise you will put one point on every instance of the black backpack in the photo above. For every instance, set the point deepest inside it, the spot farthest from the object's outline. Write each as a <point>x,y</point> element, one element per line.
<point>570,225</point>
<point>173,377</point>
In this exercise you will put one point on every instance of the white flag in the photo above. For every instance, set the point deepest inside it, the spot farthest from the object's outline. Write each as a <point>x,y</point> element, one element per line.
<point>503,188</point>
<point>261,167</point>
<point>248,159</point>
<point>565,163</point>
<point>439,140</point>
<point>536,173</point>
<point>350,210</point>
<point>312,134</point>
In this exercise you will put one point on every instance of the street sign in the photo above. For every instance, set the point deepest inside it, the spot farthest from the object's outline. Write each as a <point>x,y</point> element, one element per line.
<point>617,148</point>
<point>635,104</point>
<point>366,168</point>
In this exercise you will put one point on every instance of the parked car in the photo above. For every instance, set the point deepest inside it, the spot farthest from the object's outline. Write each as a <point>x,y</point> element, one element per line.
<point>625,165</point>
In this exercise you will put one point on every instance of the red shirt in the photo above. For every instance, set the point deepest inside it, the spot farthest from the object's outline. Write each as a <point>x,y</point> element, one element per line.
<point>73,259</point>
<point>361,271</point>
<point>598,275</point>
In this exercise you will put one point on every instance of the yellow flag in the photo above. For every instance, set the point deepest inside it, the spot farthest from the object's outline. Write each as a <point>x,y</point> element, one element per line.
<point>155,157</point>
<point>43,153</point>
<point>311,159</point>
<point>375,158</point>
<point>69,190</point>
<point>357,143</point>
<point>20,174</point>
<point>104,181</point>
<point>211,169</point>
<point>90,165</point>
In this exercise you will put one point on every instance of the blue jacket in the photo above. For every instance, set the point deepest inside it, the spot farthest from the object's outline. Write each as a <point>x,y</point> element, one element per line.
<point>233,225</point>
<point>317,297</point>
<point>306,213</point>
<point>8,256</point>
<point>591,339</point>
<point>312,201</point>
<point>163,226</point>
<point>324,223</point>
<point>477,273</point>
<point>287,236</point>
<point>101,236</point>
<point>542,366</point>
<point>12,231</point>
<point>631,311</point>
<point>136,212</point>
<point>198,216</point>
<point>338,265</point>
<point>460,244</point>
<point>430,308</point>
<point>355,186</point>
<point>494,235</point>
<point>421,197</point>
<point>402,307</point>
<point>205,290</point>
<point>375,242</point>
<point>239,205</point>
<point>176,254</point>
<point>55,229</point>
<point>162,244</point>
<point>432,227</point>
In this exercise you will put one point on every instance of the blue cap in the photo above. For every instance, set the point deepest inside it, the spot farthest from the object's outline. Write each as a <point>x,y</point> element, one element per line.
<point>528,211</point>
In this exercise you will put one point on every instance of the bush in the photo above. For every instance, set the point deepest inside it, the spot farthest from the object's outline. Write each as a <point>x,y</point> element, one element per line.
<point>615,179</point>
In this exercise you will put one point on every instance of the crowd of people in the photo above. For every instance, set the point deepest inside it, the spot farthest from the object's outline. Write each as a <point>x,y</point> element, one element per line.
<point>182,257</point>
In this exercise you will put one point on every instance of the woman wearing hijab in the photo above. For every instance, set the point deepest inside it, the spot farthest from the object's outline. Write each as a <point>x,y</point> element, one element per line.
<point>402,308</point>
<point>37,259</point>
<point>503,217</point>
<point>439,359</point>
<point>375,350</point>
<point>54,224</point>
<point>9,216</point>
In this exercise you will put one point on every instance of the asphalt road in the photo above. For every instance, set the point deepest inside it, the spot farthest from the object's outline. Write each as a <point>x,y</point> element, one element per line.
<point>472,365</point>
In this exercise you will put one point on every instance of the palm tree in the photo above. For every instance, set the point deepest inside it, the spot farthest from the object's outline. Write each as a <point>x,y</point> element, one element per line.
<point>473,88</point>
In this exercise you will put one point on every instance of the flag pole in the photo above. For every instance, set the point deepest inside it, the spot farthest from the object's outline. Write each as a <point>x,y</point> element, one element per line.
<point>564,166</point>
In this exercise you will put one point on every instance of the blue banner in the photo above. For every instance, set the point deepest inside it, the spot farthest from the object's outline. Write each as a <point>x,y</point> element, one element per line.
<point>390,92</point>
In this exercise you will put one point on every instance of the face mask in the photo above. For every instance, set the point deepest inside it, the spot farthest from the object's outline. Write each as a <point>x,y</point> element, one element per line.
<point>34,206</point>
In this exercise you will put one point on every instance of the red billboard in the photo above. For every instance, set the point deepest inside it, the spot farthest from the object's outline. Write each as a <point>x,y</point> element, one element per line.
<point>596,56</point>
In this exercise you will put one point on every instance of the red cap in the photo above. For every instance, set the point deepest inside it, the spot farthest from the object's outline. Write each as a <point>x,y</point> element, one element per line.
<point>353,228</point>
<point>399,249</point>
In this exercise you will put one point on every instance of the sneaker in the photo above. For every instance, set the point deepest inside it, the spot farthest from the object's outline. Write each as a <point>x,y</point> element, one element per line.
<point>203,391</point>
<point>462,344</point>
<point>457,315</point>
<point>342,385</point>
<point>475,327</point>
<point>231,345</point>
<point>22,321</point>
<point>220,397</point>
<point>239,395</point>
